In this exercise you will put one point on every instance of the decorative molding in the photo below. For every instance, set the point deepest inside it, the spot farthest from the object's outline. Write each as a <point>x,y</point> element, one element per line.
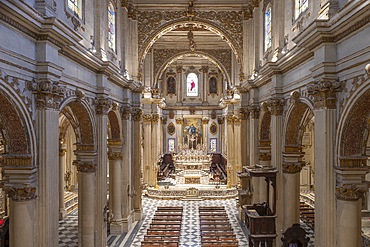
<point>293,167</point>
<point>324,93</point>
<point>85,166</point>
<point>230,119</point>
<point>155,118</point>
<point>220,120</point>
<point>48,94</point>
<point>350,192</point>
<point>171,129</point>
<point>16,160</point>
<point>164,120</point>
<point>205,120</point>
<point>265,157</point>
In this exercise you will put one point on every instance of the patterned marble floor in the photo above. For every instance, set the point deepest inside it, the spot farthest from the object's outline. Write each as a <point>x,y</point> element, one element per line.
<point>190,231</point>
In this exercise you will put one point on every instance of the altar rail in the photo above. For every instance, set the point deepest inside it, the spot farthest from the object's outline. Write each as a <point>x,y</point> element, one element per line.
<point>192,193</point>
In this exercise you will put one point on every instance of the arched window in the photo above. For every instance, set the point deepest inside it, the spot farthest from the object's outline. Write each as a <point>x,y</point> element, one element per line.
<point>76,7</point>
<point>268,27</point>
<point>299,7</point>
<point>111,27</point>
<point>192,85</point>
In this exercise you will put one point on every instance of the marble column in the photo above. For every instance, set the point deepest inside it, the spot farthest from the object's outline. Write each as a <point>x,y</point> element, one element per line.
<point>48,97</point>
<point>179,122</point>
<point>292,166</point>
<point>102,107</point>
<point>254,152</point>
<point>244,135</point>
<point>237,148</point>
<point>276,107</point>
<point>205,122</point>
<point>127,169</point>
<point>62,168</point>
<point>19,180</point>
<point>221,121</point>
<point>350,188</point>
<point>324,94</point>
<point>147,147</point>
<point>230,149</point>
<point>136,164</point>
<point>154,149</point>
<point>115,182</point>
<point>86,167</point>
<point>179,73</point>
<point>164,136</point>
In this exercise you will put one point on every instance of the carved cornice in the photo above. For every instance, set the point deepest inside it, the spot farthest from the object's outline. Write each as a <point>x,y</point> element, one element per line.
<point>350,192</point>
<point>21,193</point>
<point>324,93</point>
<point>114,156</point>
<point>126,112</point>
<point>292,168</point>
<point>85,166</point>
<point>102,105</point>
<point>276,106</point>
<point>179,120</point>
<point>48,94</point>
<point>254,111</point>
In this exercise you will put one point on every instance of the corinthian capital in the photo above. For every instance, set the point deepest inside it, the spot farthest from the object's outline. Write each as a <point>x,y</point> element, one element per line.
<point>276,106</point>
<point>324,92</point>
<point>126,112</point>
<point>103,105</point>
<point>254,111</point>
<point>147,118</point>
<point>293,167</point>
<point>21,193</point>
<point>85,166</point>
<point>350,192</point>
<point>114,156</point>
<point>137,114</point>
<point>48,94</point>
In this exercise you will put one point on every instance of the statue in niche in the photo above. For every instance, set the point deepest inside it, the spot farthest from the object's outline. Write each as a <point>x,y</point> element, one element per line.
<point>171,85</point>
<point>213,85</point>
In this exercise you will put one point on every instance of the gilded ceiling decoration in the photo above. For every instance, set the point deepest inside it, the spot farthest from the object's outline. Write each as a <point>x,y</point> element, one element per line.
<point>154,24</point>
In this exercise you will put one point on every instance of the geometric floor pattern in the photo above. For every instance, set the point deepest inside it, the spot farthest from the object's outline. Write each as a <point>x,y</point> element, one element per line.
<point>190,229</point>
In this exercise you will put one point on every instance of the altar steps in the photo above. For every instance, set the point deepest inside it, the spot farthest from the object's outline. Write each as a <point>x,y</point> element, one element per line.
<point>70,202</point>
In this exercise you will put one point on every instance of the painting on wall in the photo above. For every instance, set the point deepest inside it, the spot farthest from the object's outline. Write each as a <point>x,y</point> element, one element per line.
<point>171,85</point>
<point>213,85</point>
<point>192,85</point>
<point>192,132</point>
<point>171,128</point>
<point>213,128</point>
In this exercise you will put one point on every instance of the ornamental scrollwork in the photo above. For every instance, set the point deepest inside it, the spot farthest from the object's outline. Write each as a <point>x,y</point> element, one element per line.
<point>48,94</point>
<point>21,193</point>
<point>324,92</point>
<point>85,166</point>
<point>114,156</point>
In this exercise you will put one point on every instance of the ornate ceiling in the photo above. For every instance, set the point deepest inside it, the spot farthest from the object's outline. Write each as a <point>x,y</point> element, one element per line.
<point>209,29</point>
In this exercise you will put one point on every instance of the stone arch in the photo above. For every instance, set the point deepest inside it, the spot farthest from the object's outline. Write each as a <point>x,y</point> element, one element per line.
<point>114,131</point>
<point>149,41</point>
<point>197,53</point>
<point>354,123</point>
<point>16,122</point>
<point>299,113</point>
<point>80,116</point>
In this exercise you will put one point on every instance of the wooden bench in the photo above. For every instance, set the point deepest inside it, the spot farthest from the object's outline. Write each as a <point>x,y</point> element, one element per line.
<point>162,233</point>
<point>156,244</point>
<point>157,238</point>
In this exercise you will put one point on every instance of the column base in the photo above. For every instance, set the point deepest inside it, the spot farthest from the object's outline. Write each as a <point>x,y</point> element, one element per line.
<point>62,214</point>
<point>138,214</point>
<point>127,223</point>
<point>116,227</point>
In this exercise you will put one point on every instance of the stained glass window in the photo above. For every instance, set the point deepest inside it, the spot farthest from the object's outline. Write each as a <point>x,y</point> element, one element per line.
<point>111,27</point>
<point>300,7</point>
<point>76,7</point>
<point>192,85</point>
<point>213,145</point>
<point>268,27</point>
<point>171,145</point>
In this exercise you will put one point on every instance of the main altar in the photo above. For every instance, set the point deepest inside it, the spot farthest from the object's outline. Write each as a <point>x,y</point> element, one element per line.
<point>192,166</point>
